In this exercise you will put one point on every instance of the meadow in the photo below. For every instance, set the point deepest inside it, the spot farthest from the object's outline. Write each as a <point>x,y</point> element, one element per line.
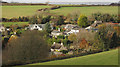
<point>16,11</point>
<point>6,24</point>
<point>103,58</point>
<point>87,10</point>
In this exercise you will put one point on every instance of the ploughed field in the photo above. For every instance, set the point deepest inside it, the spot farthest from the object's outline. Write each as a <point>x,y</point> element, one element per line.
<point>16,11</point>
<point>103,58</point>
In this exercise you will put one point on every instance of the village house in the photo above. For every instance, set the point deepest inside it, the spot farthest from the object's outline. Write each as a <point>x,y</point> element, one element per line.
<point>96,23</point>
<point>58,47</point>
<point>35,27</point>
<point>93,26</point>
<point>2,28</point>
<point>69,26</point>
<point>56,33</point>
<point>73,30</point>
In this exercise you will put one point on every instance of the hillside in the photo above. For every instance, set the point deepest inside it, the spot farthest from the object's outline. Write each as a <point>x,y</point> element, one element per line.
<point>16,11</point>
<point>104,58</point>
<point>87,10</point>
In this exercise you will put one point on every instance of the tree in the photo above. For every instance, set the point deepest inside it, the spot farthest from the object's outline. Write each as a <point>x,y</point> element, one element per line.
<point>48,27</point>
<point>82,21</point>
<point>27,48</point>
<point>105,17</point>
<point>107,37</point>
<point>46,19</point>
<point>33,20</point>
<point>72,37</point>
<point>88,36</point>
<point>60,20</point>
<point>65,41</point>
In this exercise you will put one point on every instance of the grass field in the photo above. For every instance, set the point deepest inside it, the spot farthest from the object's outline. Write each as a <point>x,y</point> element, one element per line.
<point>14,23</point>
<point>16,11</point>
<point>87,10</point>
<point>104,58</point>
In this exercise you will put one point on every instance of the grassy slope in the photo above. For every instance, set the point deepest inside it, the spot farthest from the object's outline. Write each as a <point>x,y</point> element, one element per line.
<point>87,10</point>
<point>16,11</point>
<point>13,23</point>
<point>104,58</point>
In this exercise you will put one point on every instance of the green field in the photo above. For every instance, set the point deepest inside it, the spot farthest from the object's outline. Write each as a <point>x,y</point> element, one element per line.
<point>87,10</point>
<point>16,11</point>
<point>14,23</point>
<point>104,58</point>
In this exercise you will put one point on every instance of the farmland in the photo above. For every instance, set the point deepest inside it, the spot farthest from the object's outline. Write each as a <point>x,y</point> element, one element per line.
<point>14,23</point>
<point>87,10</point>
<point>16,11</point>
<point>104,58</point>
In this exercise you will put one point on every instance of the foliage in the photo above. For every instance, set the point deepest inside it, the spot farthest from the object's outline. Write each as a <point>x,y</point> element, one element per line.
<point>107,37</point>
<point>82,21</point>
<point>46,19</point>
<point>66,41</point>
<point>60,20</point>
<point>41,18</point>
<point>64,51</point>
<point>60,37</point>
<point>73,16</point>
<point>72,37</point>
<point>7,24</point>
<point>27,48</point>
<point>105,17</point>
<point>20,19</point>
<point>48,27</point>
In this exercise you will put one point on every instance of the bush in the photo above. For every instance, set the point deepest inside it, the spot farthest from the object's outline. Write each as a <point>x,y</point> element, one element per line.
<point>64,51</point>
<point>26,49</point>
<point>60,37</point>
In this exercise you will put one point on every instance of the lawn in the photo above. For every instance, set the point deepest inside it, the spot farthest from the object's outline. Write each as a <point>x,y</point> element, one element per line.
<point>87,10</point>
<point>104,58</point>
<point>14,23</point>
<point>16,11</point>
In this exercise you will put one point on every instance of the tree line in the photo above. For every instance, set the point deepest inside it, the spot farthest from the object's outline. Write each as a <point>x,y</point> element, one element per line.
<point>19,19</point>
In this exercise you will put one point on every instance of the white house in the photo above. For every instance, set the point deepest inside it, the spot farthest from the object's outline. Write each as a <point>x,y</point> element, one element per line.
<point>74,30</point>
<point>2,28</point>
<point>56,33</point>
<point>70,26</point>
<point>35,27</point>
<point>88,28</point>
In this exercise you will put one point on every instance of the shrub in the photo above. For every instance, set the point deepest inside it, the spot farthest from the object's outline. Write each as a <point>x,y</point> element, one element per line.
<point>64,51</point>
